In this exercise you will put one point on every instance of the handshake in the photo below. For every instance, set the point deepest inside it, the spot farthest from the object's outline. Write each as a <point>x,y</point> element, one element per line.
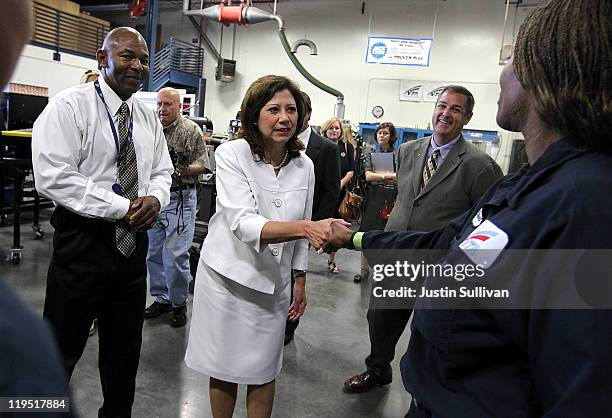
<point>328,235</point>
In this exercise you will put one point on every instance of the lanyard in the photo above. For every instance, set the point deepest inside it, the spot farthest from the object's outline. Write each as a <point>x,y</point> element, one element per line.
<point>112,123</point>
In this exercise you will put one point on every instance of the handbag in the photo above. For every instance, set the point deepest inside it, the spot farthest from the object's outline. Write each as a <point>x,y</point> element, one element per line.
<point>385,212</point>
<point>351,206</point>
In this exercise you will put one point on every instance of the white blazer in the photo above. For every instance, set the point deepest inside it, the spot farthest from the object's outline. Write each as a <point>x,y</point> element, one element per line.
<point>249,195</point>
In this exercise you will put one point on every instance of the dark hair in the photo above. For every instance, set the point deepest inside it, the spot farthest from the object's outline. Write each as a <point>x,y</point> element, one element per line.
<point>392,131</point>
<point>256,97</point>
<point>307,102</point>
<point>562,59</point>
<point>461,90</point>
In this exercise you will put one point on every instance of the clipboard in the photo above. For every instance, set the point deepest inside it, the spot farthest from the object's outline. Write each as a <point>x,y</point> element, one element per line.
<point>382,162</point>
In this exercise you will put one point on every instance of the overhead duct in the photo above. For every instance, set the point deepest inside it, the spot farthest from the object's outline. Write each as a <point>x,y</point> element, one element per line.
<point>304,42</point>
<point>244,14</point>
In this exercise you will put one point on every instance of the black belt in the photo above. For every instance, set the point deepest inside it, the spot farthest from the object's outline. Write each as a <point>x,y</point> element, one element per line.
<point>182,187</point>
<point>62,216</point>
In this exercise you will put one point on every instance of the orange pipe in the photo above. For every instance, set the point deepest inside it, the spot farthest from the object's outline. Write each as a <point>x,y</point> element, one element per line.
<point>230,14</point>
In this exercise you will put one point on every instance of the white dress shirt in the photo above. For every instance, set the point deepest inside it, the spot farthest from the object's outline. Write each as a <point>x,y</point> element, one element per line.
<point>444,149</point>
<point>305,136</point>
<point>249,194</point>
<point>75,158</point>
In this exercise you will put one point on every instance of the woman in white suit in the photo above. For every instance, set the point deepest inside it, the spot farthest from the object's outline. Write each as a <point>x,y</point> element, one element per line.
<point>259,233</point>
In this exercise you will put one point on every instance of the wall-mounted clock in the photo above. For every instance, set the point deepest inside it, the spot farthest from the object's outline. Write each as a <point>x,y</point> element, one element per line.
<point>378,111</point>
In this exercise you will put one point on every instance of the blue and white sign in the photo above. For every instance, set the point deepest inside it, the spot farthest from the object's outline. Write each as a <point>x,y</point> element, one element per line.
<point>398,51</point>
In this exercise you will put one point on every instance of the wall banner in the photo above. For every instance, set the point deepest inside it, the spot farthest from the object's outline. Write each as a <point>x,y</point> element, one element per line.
<point>432,89</point>
<point>410,91</point>
<point>420,91</point>
<point>399,51</point>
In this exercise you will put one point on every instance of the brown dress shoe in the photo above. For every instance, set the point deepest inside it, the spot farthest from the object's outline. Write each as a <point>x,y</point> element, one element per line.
<point>363,382</point>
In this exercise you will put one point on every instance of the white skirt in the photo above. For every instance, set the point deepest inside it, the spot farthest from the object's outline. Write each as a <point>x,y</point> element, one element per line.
<point>236,333</point>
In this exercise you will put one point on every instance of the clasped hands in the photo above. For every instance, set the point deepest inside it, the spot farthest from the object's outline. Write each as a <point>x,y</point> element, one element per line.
<point>328,234</point>
<point>143,212</point>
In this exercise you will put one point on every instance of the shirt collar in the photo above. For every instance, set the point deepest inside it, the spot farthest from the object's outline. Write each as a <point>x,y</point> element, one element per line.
<point>555,155</point>
<point>112,100</point>
<point>305,136</point>
<point>445,147</point>
<point>174,123</point>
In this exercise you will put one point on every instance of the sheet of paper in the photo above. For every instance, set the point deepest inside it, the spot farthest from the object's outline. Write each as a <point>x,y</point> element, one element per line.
<point>382,162</point>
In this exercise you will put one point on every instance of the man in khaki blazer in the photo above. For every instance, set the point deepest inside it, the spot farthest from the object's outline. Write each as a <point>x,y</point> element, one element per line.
<point>463,173</point>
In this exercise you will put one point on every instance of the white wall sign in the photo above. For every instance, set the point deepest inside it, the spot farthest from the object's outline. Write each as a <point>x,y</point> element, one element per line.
<point>420,91</point>
<point>410,91</point>
<point>431,90</point>
<point>398,51</point>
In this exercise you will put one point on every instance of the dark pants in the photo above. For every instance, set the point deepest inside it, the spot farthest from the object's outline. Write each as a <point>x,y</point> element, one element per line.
<point>291,326</point>
<point>385,327</point>
<point>88,278</point>
<point>417,411</point>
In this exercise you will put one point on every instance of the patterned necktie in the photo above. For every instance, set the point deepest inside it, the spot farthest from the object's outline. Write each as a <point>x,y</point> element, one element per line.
<point>430,167</point>
<point>125,237</point>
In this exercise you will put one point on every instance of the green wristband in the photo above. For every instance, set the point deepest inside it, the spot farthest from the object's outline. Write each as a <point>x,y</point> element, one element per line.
<point>356,240</point>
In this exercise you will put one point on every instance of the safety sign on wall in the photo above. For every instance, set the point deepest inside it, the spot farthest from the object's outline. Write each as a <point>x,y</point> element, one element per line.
<point>398,51</point>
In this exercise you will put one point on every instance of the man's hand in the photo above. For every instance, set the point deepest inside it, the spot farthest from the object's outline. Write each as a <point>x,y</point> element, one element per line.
<point>317,233</point>
<point>191,170</point>
<point>143,212</point>
<point>340,237</point>
<point>298,304</point>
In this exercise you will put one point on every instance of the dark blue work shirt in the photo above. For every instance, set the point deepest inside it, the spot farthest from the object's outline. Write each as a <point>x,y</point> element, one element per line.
<point>30,364</point>
<point>528,362</point>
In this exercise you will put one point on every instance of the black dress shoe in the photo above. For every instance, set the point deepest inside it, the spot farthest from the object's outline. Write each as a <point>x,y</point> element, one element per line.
<point>288,338</point>
<point>363,382</point>
<point>156,309</point>
<point>179,317</point>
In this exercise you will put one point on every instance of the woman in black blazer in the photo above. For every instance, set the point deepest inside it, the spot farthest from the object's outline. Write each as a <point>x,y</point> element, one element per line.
<point>333,129</point>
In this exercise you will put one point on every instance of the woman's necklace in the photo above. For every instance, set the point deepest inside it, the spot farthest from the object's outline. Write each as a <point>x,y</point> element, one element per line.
<point>282,163</point>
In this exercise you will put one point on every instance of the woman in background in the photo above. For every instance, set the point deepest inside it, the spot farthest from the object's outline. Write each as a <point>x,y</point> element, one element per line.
<point>332,129</point>
<point>381,188</point>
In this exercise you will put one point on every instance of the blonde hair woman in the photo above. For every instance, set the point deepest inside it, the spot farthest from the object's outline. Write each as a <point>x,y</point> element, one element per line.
<point>333,129</point>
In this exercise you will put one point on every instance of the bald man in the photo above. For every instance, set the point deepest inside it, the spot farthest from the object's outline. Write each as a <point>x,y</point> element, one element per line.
<point>101,156</point>
<point>171,236</point>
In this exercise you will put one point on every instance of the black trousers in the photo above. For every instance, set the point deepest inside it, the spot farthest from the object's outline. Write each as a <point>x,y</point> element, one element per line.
<point>417,411</point>
<point>385,328</point>
<point>291,326</point>
<point>88,278</point>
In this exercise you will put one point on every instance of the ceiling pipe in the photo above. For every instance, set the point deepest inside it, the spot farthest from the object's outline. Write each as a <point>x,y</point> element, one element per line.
<point>304,42</point>
<point>204,38</point>
<point>244,15</point>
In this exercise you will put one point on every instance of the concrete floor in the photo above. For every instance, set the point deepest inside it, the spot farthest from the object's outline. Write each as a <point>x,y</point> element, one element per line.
<point>330,346</point>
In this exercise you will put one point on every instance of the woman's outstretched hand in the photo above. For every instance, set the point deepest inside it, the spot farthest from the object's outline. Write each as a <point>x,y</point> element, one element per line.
<point>339,238</point>
<point>318,232</point>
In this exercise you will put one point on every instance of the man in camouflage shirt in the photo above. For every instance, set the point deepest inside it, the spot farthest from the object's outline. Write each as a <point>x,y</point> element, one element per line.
<point>172,234</point>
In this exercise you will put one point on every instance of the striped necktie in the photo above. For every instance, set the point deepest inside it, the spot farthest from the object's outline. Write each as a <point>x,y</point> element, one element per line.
<point>125,236</point>
<point>430,167</point>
